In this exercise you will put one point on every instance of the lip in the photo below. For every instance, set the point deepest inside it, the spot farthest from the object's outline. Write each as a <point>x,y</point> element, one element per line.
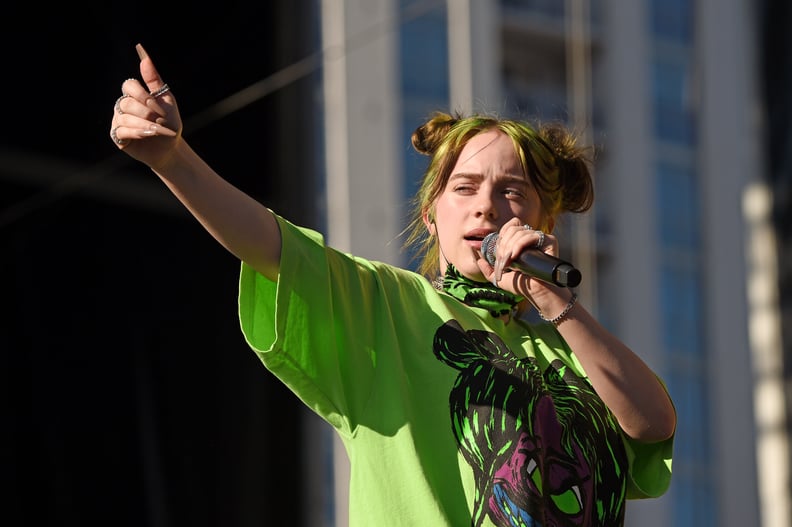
<point>474,237</point>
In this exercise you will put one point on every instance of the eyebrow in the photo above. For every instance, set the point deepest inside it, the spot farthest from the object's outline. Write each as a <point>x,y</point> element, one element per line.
<point>477,176</point>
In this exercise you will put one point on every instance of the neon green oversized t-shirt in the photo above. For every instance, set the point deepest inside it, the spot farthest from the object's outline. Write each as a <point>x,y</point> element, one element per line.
<point>450,417</point>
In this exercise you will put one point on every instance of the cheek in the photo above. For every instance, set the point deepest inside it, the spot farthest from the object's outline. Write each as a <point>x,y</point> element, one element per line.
<point>446,210</point>
<point>534,213</point>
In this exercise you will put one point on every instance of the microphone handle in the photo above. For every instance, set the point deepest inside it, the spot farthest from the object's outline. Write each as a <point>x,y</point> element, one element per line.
<point>545,267</point>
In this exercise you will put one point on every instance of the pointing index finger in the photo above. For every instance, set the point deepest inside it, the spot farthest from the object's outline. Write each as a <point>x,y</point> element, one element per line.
<point>147,70</point>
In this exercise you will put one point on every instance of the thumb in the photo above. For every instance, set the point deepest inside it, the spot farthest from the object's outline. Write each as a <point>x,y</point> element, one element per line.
<point>148,72</point>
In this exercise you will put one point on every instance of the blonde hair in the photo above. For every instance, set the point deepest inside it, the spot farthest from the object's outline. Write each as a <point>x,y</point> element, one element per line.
<point>550,157</point>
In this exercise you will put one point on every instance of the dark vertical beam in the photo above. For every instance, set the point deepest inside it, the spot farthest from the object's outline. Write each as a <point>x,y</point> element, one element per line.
<point>776,67</point>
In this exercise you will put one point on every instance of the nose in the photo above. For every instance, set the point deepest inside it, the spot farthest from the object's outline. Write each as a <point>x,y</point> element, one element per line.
<point>486,205</point>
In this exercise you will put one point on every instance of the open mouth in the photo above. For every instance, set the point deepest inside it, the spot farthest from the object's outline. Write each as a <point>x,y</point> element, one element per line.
<point>477,235</point>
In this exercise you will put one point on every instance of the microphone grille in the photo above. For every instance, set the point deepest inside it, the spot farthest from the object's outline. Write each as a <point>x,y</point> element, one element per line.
<point>488,247</point>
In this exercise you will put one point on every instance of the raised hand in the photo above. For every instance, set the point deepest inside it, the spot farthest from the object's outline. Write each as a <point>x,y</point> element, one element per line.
<point>146,123</point>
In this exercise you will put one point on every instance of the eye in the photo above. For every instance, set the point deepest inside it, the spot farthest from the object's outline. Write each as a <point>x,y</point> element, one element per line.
<point>515,192</point>
<point>570,501</point>
<point>534,475</point>
<point>464,188</point>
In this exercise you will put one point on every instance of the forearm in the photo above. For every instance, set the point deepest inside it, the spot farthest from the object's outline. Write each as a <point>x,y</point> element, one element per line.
<point>237,221</point>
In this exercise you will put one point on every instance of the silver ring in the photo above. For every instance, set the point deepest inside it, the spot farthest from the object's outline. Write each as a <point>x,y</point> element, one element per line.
<point>115,138</point>
<point>541,240</point>
<point>117,105</point>
<point>162,90</point>
<point>527,227</point>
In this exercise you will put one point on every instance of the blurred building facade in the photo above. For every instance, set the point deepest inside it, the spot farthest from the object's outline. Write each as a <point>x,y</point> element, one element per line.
<point>669,93</point>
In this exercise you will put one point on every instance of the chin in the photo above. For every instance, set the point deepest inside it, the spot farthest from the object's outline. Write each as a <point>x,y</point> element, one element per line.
<point>475,276</point>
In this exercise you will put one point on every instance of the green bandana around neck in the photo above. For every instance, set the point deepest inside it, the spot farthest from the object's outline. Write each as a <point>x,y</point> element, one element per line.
<point>478,294</point>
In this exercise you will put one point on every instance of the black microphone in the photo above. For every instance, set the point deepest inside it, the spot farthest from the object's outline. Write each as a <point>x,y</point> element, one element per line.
<point>536,264</point>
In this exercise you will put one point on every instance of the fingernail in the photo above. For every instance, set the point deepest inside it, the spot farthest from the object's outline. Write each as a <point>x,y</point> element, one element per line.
<point>499,265</point>
<point>141,52</point>
<point>153,129</point>
<point>498,270</point>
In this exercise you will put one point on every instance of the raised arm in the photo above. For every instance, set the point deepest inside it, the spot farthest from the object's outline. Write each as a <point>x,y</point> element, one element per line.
<point>621,378</point>
<point>147,126</point>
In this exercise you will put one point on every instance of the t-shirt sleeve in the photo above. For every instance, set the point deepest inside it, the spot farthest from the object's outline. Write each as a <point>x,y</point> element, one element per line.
<point>321,326</point>
<point>650,466</point>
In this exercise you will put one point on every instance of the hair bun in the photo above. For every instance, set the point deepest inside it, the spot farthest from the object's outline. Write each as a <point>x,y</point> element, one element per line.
<point>573,163</point>
<point>427,137</point>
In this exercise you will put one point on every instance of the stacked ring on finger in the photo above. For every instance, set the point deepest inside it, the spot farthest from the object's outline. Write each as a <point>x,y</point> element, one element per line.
<point>115,138</point>
<point>541,240</point>
<point>117,105</point>
<point>162,90</point>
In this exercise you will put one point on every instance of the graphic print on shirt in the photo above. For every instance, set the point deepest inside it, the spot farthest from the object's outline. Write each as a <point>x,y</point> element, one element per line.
<point>544,448</point>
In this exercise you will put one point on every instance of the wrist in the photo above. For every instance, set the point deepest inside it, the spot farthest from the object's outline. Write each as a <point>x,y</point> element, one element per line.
<point>558,316</point>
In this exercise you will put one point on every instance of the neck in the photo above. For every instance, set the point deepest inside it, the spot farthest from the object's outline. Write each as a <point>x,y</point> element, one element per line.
<point>498,302</point>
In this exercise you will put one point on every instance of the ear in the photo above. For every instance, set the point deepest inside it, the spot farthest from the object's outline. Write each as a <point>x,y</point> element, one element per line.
<point>429,222</point>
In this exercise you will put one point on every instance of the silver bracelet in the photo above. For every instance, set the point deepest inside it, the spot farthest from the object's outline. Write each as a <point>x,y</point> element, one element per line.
<point>557,320</point>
